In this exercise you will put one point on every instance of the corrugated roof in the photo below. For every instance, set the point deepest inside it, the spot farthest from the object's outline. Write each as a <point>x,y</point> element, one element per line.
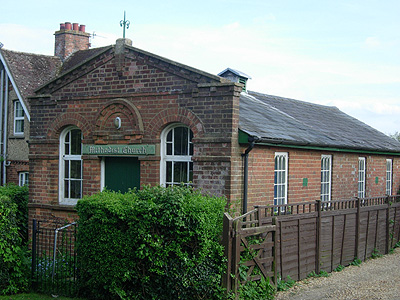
<point>293,122</point>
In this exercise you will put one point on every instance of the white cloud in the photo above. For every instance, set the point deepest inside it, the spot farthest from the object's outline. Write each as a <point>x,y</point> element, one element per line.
<point>372,42</point>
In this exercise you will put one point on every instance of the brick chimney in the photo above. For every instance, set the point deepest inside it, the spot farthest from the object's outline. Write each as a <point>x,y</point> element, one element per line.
<point>69,39</point>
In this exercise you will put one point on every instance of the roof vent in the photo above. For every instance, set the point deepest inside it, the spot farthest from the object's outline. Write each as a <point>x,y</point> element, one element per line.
<point>235,76</point>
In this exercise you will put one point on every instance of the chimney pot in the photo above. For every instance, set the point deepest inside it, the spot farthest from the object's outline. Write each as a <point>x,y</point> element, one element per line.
<point>69,41</point>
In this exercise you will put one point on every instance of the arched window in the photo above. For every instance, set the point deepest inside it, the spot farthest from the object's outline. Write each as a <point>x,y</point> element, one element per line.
<point>176,155</point>
<point>70,166</point>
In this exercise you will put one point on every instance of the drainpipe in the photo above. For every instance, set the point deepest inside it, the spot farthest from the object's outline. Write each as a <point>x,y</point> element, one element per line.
<point>252,140</point>
<point>5,129</point>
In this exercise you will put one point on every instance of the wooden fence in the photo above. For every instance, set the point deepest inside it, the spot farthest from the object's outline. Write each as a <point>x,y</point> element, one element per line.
<point>297,239</point>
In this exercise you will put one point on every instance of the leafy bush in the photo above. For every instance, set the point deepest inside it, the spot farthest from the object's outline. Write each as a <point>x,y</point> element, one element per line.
<point>284,285</point>
<point>13,260</point>
<point>155,243</point>
<point>19,195</point>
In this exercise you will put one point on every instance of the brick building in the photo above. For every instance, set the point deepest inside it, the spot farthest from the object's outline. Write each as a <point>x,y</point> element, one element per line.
<point>120,117</point>
<point>20,74</point>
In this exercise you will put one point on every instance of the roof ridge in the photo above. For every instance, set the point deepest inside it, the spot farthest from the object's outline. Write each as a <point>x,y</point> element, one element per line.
<point>28,53</point>
<point>294,100</point>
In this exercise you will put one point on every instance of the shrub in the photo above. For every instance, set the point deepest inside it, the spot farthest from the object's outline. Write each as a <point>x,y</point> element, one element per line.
<point>19,195</point>
<point>155,243</point>
<point>13,260</point>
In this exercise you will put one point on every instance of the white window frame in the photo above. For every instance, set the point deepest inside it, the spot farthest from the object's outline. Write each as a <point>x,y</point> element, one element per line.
<point>326,178</point>
<point>23,178</point>
<point>362,169</point>
<point>171,158</point>
<point>18,119</point>
<point>281,162</point>
<point>62,160</point>
<point>389,174</point>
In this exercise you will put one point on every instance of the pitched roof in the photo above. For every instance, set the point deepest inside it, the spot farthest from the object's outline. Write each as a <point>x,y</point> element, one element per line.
<point>81,57</point>
<point>30,71</point>
<point>236,72</point>
<point>279,120</point>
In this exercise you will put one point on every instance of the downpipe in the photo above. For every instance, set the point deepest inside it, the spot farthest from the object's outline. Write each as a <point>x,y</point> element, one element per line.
<point>252,140</point>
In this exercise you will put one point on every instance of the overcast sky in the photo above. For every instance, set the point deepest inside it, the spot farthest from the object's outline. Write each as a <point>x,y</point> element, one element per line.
<point>343,53</point>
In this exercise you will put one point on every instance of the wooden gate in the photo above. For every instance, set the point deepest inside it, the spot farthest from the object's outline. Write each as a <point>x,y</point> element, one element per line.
<point>250,249</point>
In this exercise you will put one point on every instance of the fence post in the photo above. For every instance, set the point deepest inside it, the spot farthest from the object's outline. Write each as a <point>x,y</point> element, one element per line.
<point>358,220</point>
<point>387,225</point>
<point>227,243</point>
<point>318,240</point>
<point>34,230</point>
<point>274,252</point>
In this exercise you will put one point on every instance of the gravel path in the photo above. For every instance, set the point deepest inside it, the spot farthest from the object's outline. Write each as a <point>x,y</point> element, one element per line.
<point>374,279</point>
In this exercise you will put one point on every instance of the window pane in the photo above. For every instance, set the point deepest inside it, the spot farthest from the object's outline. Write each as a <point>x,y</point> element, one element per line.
<point>169,136</point>
<point>75,189</point>
<point>76,169</point>
<point>66,188</point>
<point>19,111</point>
<point>180,172</point>
<point>66,169</point>
<point>181,141</point>
<point>19,126</point>
<point>76,137</point>
<point>169,171</point>
<point>191,171</point>
<point>169,148</point>
<point>190,141</point>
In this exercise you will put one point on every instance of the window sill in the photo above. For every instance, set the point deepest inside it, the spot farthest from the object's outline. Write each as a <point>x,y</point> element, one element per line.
<point>17,136</point>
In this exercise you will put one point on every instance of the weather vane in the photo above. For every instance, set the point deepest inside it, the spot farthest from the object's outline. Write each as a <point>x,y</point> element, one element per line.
<point>124,23</point>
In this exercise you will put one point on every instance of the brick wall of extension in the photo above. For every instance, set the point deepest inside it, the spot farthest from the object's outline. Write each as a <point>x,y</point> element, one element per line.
<point>304,175</point>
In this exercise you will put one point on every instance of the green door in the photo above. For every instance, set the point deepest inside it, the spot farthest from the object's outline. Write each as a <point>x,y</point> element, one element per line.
<point>122,173</point>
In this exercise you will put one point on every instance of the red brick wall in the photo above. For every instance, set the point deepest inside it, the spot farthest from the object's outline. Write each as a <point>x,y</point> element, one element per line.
<point>307,164</point>
<point>13,170</point>
<point>148,95</point>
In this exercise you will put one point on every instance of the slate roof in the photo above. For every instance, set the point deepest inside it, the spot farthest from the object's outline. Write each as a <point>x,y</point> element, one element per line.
<point>279,120</point>
<point>30,71</point>
<point>80,57</point>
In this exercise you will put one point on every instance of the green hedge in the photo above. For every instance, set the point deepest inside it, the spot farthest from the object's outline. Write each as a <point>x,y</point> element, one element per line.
<point>13,259</point>
<point>19,195</point>
<point>155,243</point>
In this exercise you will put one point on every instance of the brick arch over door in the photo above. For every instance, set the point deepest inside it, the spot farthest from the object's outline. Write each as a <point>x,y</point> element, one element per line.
<point>175,115</point>
<point>131,129</point>
<point>68,119</point>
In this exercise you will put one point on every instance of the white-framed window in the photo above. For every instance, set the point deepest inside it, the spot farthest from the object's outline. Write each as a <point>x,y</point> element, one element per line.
<point>70,185</point>
<point>389,165</point>
<point>18,118</point>
<point>280,178</point>
<point>176,155</point>
<point>326,177</point>
<point>23,178</point>
<point>361,177</point>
